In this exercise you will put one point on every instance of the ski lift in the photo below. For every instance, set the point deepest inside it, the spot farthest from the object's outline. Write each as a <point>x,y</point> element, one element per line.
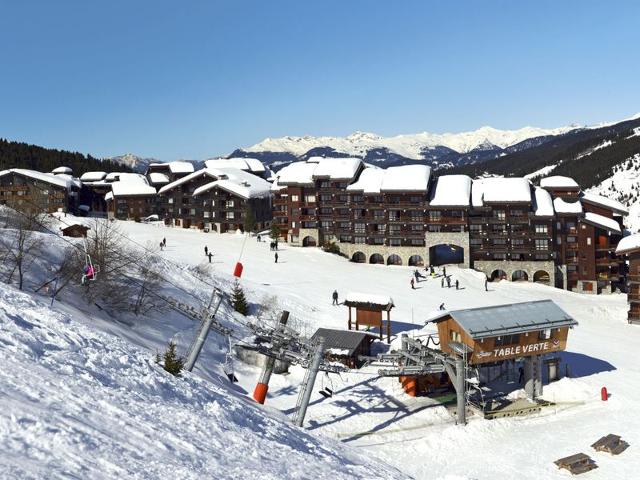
<point>326,392</point>
<point>90,271</point>
<point>228,363</point>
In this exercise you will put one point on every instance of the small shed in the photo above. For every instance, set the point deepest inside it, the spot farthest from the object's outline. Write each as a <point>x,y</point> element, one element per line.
<point>76,230</point>
<point>345,346</point>
<point>369,310</point>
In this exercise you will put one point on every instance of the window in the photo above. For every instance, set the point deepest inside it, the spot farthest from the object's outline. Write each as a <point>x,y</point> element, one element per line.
<point>541,256</point>
<point>541,228</point>
<point>455,336</point>
<point>325,184</point>
<point>434,228</point>
<point>416,216</point>
<point>455,213</point>
<point>394,229</point>
<point>170,200</point>
<point>544,334</point>
<point>572,239</point>
<point>542,244</point>
<point>360,240</point>
<point>588,240</point>
<point>359,227</point>
<point>377,241</point>
<point>395,242</point>
<point>499,214</point>
<point>205,214</point>
<point>294,198</point>
<point>323,198</point>
<point>378,214</point>
<point>343,198</point>
<point>293,224</point>
<point>192,212</point>
<point>507,340</point>
<point>415,199</point>
<point>475,242</point>
<point>230,215</point>
<point>559,240</point>
<point>310,198</point>
<point>229,204</point>
<point>356,198</point>
<point>435,215</point>
<point>499,241</point>
<point>517,213</point>
<point>394,215</point>
<point>345,238</point>
<point>475,228</point>
<point>499,256</point>
<point>417,242</point>
<point>326,211</point>
<point>517,242</point>
<point>325,224</point>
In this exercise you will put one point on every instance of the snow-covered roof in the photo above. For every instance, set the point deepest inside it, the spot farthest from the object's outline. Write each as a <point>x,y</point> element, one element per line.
<point>297,173</point>
<point>500,190</point>
<point>175,167</point>
<point>112,177</point>
<point>75,181</point>
<point>58,170</point>
<point>247,164</point>
<point>238,182</point>
<point>158,177</point>
<point>451,191</point>
<point>369,181</point>
<point>628,244</point>
<point>125,189</point>
<point>601,221</point>
<point>542,205</point>
<point>605,202</point>
<point>337,168</point>
<point>108,196</point>
<point>43,177</point>
<point>558,181</point>
<point>562,206</point>
<point>93,176</point>
<point>406,178</point>
<point>210,172</point>
<point>372,299</point>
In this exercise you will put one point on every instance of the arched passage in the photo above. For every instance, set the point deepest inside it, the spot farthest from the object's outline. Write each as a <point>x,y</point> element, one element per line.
<point>377,259</point>
<point>446,253</point>
<point>416,261</point>
<point>359,257</point>
<point>498,275</point>
<point>394,259</point>
<point>309,241</point>
<point>519,276</point>
<point>541,276</point>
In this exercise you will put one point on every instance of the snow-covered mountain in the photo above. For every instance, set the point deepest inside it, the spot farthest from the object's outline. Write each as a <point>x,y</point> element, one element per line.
<point>136,163</point>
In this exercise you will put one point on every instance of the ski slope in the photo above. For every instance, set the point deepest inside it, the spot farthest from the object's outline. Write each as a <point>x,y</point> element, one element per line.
<point>416,436</point>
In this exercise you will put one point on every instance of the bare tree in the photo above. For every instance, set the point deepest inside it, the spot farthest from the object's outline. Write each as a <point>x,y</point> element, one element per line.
<point>148,284</point>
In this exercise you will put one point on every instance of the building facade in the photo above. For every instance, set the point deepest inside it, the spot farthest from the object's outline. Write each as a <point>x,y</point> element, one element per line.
<point>42,191</point>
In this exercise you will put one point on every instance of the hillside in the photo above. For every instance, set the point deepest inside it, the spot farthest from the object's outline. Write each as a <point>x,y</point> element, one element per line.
<point>23,155</point>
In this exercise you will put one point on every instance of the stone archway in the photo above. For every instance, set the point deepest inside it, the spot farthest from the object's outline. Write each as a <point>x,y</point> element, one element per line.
<point>394,259</point>
<point>519,276</point>
<point>377,259</point>
<point>446,253</point>
<point>498,275</point>
<point>416,261</point>
<point>542,276</point>
<point>309,241</point>
<point>359,257</point>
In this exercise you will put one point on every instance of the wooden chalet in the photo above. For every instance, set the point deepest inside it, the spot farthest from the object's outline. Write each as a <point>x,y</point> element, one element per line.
<point>369,310</point>
<point>76,230</point>
<point>29,189</point>
<point>345,346</point>
<point>172,171</point>
<point>629,247</point>
<point>131,198</point>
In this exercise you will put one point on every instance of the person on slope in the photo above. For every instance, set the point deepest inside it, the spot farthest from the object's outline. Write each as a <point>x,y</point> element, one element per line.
<point>413,286</point>
<point>441,307</point>
<point>276,257</point>
<point>457,285</point>
<point>334,295</point>
<point>206,250</point>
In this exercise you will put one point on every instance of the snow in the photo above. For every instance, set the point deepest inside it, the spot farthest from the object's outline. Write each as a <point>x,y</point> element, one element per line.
<point>238,182</point>
<point>558,181</point>
<point>112,176</point>
<point>498,189</point>
<point>66,170</point>
<point>247,164</point>
<point>158,177</point>
<point>131,184</point>
<point>43,177</point>
<point>410,146</point>
<point>451,191</point>
<point>373,299</point>
<point>336,168</point>
<point>543,205</point>
<point>368,182</point>
<point>214,174</point>
<point>108,196</point>
<point>93,176</point>
<point>602,221</point>
<point>406,178</point>
<point>562,206</point>
<point>628,244</point>
<point>297,173</point>
<point>176,167</point>
<point>543,171</point>
<point>605,202</point>
<point>86,392</point>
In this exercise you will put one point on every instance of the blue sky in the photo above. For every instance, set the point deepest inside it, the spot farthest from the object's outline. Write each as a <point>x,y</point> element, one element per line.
<point>195,79</point>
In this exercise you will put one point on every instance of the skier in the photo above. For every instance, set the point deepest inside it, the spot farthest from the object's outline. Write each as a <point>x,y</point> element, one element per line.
<point>258,238</point>
<point>457,285</point>
<point>161,246</point>
<point>164,242</point>
<point>417,275</point>
<point>413,287</point>
<point>486,284</point>
<point>432,270</point>
<point>442,282</point>
<point>210,255</point>
<point>448,282</point>
<point>441,306</point>
<point>444,271</point>
<point>334,295</point>
<point>206,250</point>
<point>276,257</point>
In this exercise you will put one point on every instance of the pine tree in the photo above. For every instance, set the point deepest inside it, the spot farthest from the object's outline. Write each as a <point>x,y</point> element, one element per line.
<point>238,300</point>
<point>172,362</point>
<point>275,232</point>
<point>249,221</point>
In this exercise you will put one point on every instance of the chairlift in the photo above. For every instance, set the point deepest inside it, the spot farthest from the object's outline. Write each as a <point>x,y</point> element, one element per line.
<point>326,392</point>
<point>90,271</point>
<point>228,363</point>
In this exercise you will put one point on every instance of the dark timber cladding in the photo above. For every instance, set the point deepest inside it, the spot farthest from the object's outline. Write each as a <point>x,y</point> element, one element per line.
<point>369,310</point>
<point>502,332</point>
<point>630,247</point>
<point>35,190</point>
<point>345,346</point>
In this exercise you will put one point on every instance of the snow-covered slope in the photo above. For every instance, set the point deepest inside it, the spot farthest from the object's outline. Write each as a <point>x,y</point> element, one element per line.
<point>624,186</point>
<point>134,162</point>
<point>409,146</point>
<point>77,402</point>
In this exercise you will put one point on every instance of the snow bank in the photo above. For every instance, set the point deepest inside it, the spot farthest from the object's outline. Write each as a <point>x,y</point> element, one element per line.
<point>81,403</point>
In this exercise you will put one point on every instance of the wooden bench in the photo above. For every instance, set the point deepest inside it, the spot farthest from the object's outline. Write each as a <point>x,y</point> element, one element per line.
<point>577,464</point>
<point>611,444</point>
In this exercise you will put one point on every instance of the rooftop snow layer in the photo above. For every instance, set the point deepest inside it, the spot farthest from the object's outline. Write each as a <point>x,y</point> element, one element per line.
<point>238,182</point>
<point>247,164</point>
<point>43,177</point>
<point>297,173</point>
<point>500,190</point>
<point>337,168</point>
<point>373,299</point>
<point>558,181</point>
<point>176,167</point>
<point>369,181</point>
<point>451,191</point>
<point>602,222</point>
<point>406,178</point>
<point>93,176</point>
<point>605,202</point>
<point>158,177</point>
<point>66,170</point>
<point>562,206</point>
<point>628,244</point>
<point>543,205</point>
<point>125,188</point>
<point>213,173</point>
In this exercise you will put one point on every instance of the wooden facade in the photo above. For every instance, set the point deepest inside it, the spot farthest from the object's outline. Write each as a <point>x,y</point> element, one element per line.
<point>20,189</point>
